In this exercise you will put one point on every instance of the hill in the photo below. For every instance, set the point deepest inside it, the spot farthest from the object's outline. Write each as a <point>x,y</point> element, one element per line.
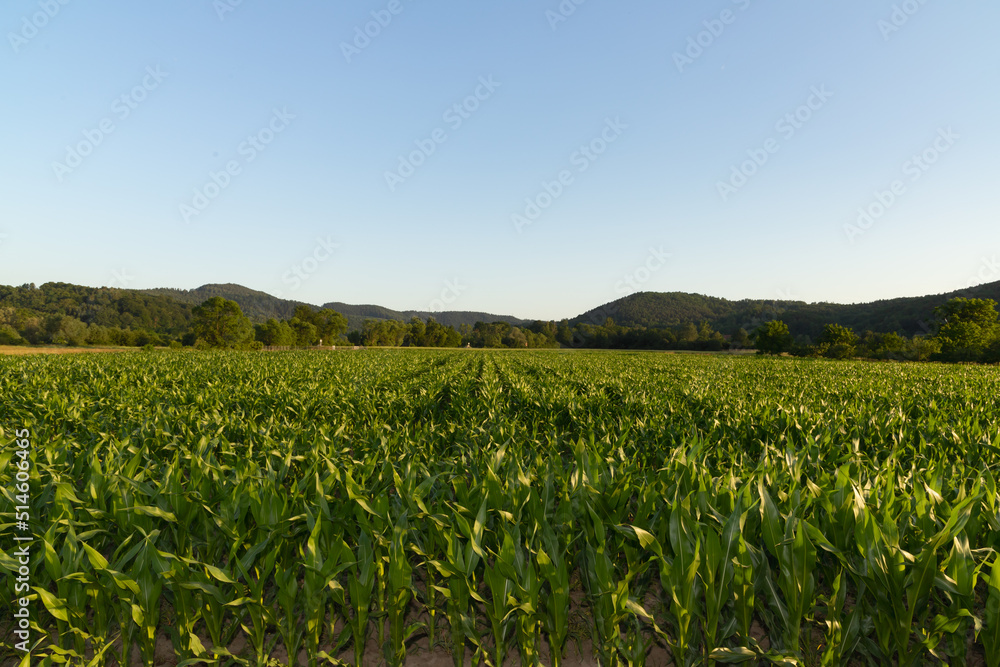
<point>100,306</point>
<point>356,315</point>
<point>261,306</point>
<point>258,306</point>
<point>906,316</point>
<point>168,311</point>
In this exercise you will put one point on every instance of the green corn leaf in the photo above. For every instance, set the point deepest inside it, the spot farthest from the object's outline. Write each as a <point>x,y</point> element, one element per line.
<point>53,604</point>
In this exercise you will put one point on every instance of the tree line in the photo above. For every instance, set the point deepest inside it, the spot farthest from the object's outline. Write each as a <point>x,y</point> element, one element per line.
<point>964,329</point>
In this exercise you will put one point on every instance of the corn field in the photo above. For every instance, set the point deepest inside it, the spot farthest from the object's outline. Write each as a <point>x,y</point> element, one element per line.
<point>532,508</point>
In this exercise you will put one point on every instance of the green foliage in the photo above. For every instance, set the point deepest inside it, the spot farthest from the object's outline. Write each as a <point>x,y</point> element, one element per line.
<point>837,342</point>
<point>275,333</point>
<point>773,338</point>
<point>220,324</point>
<point>106,307</point>
<point>305,332</point>
<point>257,306</point>
<point>390,333</point>
<point>58,313</point>
<point>10,336</point>
<point>741,338</point>
<point>967,328</point>
<point>62,314</point>
<point>656,310</point>
<point>329,325</point>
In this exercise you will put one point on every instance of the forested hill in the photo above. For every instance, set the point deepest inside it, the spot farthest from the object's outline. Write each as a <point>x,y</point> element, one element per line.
<point>100,306</point>
<point>258,306</point>
<point>907,316</point>
<point>261,306</point>
<point>356,315</point>
<point>168,311</point>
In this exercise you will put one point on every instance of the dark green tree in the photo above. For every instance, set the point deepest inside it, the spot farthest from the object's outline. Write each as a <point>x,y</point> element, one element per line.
<point>966,328</point>
<point>838,342</point>
<point>276,333</point>
<point>773,338</point>
<point>330,325</point>
<point>305,332</point>
<point>688,333</point>
<point>741,338</point>
<point>564,334</point>
<point>220,323</point>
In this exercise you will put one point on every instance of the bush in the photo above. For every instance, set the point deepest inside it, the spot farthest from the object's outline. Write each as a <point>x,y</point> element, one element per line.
<point>9,336</point>
<point>839,351</point>
<point>97,335</point>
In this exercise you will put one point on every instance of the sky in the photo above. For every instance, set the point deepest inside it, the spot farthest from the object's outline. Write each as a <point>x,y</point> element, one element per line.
<point>534,159</point>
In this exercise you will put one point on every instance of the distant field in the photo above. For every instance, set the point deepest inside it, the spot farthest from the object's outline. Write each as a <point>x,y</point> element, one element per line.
<point>399,506</point>
<point>23,349</point>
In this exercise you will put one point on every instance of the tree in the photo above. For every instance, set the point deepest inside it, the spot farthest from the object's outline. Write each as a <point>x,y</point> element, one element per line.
<point>885,346</point>
<point>515,338</point>
<point>489,334</point>
<point>966,328</point>
<point>65,330</point>
<point>741,338</point>
<point>385,333</point>
<point>221,324</point>
<point>330,324</point>
<point>838,342</point>
<point>275,333</point>
<point>688,333</point>
<point>416,333</point>
<point>564,334</point>
<point>773,338</point>
<point>305,332</point>
<point>9,336</point>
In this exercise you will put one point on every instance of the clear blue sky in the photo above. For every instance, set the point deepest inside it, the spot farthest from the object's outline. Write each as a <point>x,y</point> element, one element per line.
<point>670,129</point>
